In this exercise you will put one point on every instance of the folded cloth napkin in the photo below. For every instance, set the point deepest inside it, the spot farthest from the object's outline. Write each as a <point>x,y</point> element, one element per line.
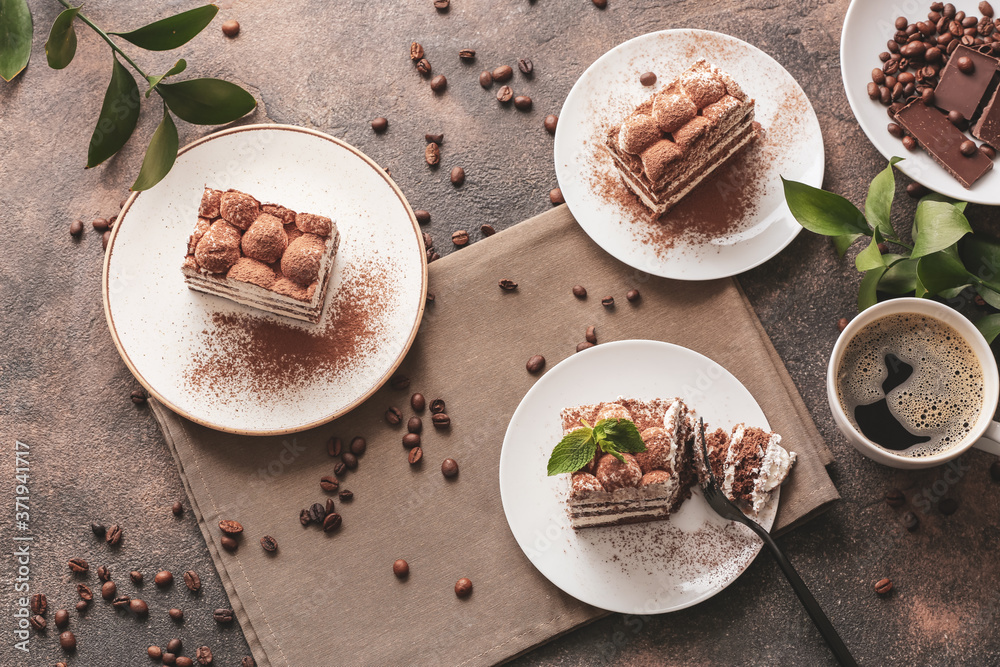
<point>332,598</point>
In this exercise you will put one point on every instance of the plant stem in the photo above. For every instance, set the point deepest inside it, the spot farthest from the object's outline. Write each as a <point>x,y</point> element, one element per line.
<point>104,36</point>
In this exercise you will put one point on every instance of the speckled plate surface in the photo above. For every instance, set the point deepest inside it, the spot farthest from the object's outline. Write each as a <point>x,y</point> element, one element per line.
<point>742,201</point>
<point>646,568</point>
<point>238,369</point>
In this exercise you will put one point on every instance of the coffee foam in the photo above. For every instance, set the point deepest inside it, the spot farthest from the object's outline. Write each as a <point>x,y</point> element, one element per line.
<point>942,399</point>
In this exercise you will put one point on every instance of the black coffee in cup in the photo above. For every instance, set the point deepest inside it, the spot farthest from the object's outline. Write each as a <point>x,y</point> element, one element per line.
<point>911,384</point>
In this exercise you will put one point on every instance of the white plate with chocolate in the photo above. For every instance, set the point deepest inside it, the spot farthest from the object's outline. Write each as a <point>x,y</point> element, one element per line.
<point>679,174</point>
<point>635,535</point>
<point>270,283</point>
<point>947,111</point>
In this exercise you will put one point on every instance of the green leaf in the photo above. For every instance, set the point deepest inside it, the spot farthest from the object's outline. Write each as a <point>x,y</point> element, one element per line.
<point>574,451</point>
<point>207,101</point>
<point>119,115</point>
<point>61,47</point>
<point>622,435</point>
<point>934,196</point>
<point>920,291</point>
<point>870,257</point>
<point>609,448</point>
<point>989,326</point>
<point>171,32</point>
<point>990,296</point>
<point>878,205</point>
<point>160,155</point>
<point>900,278</point>
<point>982,259</point>
<point>868,292</point>
<point>941,272</point>
<point>939,225</point>
<point>844,241</point>
<point>178,67</point>
<point>15,37</point>
<point>823,212</point>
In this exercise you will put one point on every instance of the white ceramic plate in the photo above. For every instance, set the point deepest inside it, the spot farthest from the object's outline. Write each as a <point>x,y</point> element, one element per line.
<point>609,90</point>
<point>177,341</point>
<point>646,568</point>
<point>867,27</point>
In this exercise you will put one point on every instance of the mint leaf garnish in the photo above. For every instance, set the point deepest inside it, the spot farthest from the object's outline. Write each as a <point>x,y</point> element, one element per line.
<point>620,435</point>
<point>574,451</point>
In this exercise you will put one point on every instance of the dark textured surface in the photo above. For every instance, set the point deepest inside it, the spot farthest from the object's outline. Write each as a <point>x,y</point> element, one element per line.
<point>334,67</point>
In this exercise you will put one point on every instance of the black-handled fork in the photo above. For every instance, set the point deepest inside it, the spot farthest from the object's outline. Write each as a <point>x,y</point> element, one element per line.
<point>727,510</point>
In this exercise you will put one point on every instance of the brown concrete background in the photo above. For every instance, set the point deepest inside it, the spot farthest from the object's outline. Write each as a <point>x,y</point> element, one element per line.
<point>334,66</point>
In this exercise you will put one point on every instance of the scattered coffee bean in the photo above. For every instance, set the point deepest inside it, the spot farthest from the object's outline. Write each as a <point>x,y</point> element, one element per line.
<point>460,238</point>
<point>223,615</point>
<point>136,577</point>
<point>526,66</point>
<point>414,456</point>
<point>380,125</point>
<point>177,508</point>
<point>121,602</point>
<point>522,102</point>
<point>449,468</point>
<point>339,469</point>
<point>909,143</point>
<point>163,578</point>
<point>894,498</point>
<point>842,323</point>
<point>591,334</point>
<point>204,655</point>
<point>230,527</point>
<point>139,396</point>
<point>441,420</point>
<point>154,652</point>
<point>228,543</point>
<point>487,230</point>
<point>600,4</point>
<point>423,217</point>
<point>439,83</point>
<point>883,586</point>
<point>81,606</point>
<point>411,440</point>
<point>350,460</point>
<point>437,405</point>
<point>76,228</point>
<point>556,196</point>
<point>968,148</point>
<point>948,506</point>
<point>485,79</point>
<point>100,224</point>
<point>248,661</point>
<point>441,5</point>
<point>957,119</point>
<point>910,521</point>
<point>175,646</point>
<point>332,522</point>
<point>647,78</point>
<point>467,54</point>
<point>62,618</point>
<point>317,512</point>
<point>169,658</point>
<point>579,291</point>
<point>632,295</point>
<point>503,73</point>
<point>38,623</point>
<point>400,568</point>
<point>416,51</point>
<point>329,483</point>
<point>109,590</point>
<point>507,285</point>
<point>966,65</point>
<point>358,446</point>
<point>915,190</point>
<point>432,154</point>
<point>986,9</point>
<point>585,345</point>
<point>38,604</point>
<point>436,138</point>
<point>329,505</point>
<point>986,150</point>
<point>78,565</point>
<point>535,363</point>
<point>114,536</point>
<point>184,661</point>
<point>505,94</point>
<point>608,302</point>
<point>67,640</point>
<point>138,607</point>
<point>393,416</point>
<point>176,614</point>
<point>978,300</point>
<point>334,446</point>
<point>399,382</point>
<point>304,517</point>
<point>457,176</point>
<point>231,28</point>
<point>98,529</point>
<point>415,425</point>
<point>463,587</point>
<point>424,66</point>
<point>418,402</point>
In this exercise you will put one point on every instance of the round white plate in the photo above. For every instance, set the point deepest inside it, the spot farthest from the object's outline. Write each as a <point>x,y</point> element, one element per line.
<point>645,568</point>
<point>609,90</point>
<point>169,334</point>
<point>867,27</point>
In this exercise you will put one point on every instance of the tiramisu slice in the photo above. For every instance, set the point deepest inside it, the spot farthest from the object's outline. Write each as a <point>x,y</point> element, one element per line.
<point>750,463</point>
<point>673,140</point>
<point>644,486</point>
<point>261,255</point>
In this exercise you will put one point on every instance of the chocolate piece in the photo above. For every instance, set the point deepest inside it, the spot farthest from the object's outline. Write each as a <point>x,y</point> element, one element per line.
<point>965,93</point>
<point>943,142</point>
<point>987,128</point>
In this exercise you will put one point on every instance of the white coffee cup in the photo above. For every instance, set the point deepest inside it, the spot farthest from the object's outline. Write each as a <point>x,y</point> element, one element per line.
<point>985,433</point>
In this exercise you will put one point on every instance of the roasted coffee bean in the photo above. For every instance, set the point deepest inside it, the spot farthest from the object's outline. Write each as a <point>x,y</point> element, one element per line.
<point>449,468</point>
<point>647,78</point>
<point>487,230</point>
<point>136,577</point>
<point>551,122</point>
<point>334,446</point>
<point>579,291</point>
<point>393,415</point>
<point>81,606</point>
<point>248,661</point>
<point>632,295</point>
<point>585,345</point>
<point>62,618</point>
<point>467,54</point>
<point>507,285</point>
<point>901,23</point>
<point>169,658</point>
<point>485,79</point>
<point>98,529</point>
<point>932,55</point>
<point>913,50</point>
<point>109,590</point>
<point>928,96</point>
<point>415,455</point>
<point>317,512</point>
<point>418,402</point>
<point>535,364</point>
<point>304,517</point>
<point>894,498</point>
<point>556,196</point>
<point>439,83</point>
<point>416,51</point>
<point>231,28</point>
<point>460,238</point>
<point>139,396</point>
<point>948,506</point>
<point>424,66</point>
<point>878,76</point>
<point>177,508</point>
<point>428,241</point>
<point>228,543</point>
<point>505,94</point>
<point>885,97</point>
<point>38,623</point>
<point>154,652</point>
<point>76,228</point>
<point>463,587</point>
<point>591,334</point>
<point>138,607</point>
<point>842,323</point>
<point>968,148</point>
<point>184,661</point>
<point>441,420</point>
<point>432,154</point>
<point>909,143</point>
<point>883,586</point>
<point>176,614</point>
<point>423,217</point>
<point>522,102</point>
<point>503,73</point>
<point>400,568</point>
<point>121,602</point>
<point>890,82</point>
<point>339,469</point>
<point>987,151</point>
<point>105,239</point>
<point>895,130</point>
<point>38,604</point>
<point>358,446</point>
<point>437,405</point>
<point>526,66</point>
<point>441,5</point>
<point>957,119</point>
<point>906,78</point>
<point>399,382</point>
<point>910,521</point>
<point>436,138</point>
<point>966,65</point>
<point>411,440</point>
<point>67,640</point>
<point>915,190</point>
<point>329,505</point>
<point>223,615</point>
<point>332,522</point>
<point>415,425</point>
<point>78,565</point>
<point>100,224</point>
<point>163,578</point>
<point>329,483</point>
<point>346,495</point>
<point>114,536</point>
<point>600,4</point>
<point>608,302</point>
<point>350,460</point>
<point>380,125</point>
<point>986,9</point>
<point>230,527</point>
<point>457,176</point>
<point>175,646</point>
<point>204,655</point>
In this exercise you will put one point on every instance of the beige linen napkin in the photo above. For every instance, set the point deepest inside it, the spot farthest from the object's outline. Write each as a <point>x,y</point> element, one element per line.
<point>332,599</point>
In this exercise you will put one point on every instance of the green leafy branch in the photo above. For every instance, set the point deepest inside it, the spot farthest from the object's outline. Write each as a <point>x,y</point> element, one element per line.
<point>198,101</point>
<point>946,258</point>
<point>577,448</point>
